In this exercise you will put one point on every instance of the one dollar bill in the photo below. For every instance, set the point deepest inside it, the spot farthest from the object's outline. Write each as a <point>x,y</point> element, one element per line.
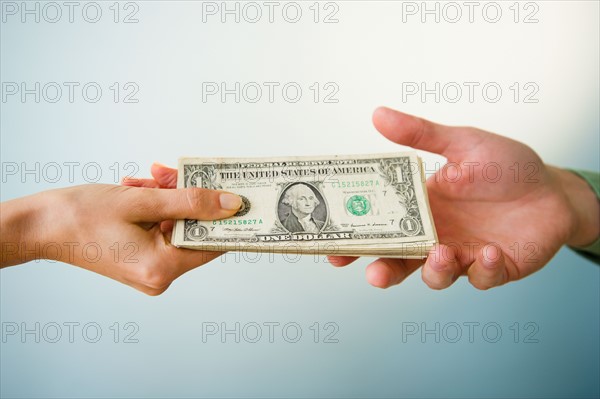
<point>353,205</point>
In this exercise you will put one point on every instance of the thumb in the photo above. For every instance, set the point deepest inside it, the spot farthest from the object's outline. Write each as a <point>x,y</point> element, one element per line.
<point>414,132</point>
<point>151,205</point>
<point>166,177</point>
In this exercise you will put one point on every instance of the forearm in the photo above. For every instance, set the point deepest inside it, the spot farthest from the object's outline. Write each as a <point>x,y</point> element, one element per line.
<point>21,230</point>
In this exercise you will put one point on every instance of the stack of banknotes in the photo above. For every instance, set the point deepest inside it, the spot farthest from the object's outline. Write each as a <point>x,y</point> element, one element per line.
<point>351,205</point>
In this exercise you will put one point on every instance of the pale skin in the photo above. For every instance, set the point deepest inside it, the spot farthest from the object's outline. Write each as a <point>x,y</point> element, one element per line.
<point>475,217</point>
<point>492,229</point>
<point>131,227</point>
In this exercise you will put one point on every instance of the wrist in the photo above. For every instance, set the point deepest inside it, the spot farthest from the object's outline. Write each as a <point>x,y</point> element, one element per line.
<point>23,232</point>
<point>585,209</point>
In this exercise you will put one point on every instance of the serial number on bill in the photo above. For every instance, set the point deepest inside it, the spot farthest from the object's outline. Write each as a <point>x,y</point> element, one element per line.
<point>355,183</point>
<point>236,222</point>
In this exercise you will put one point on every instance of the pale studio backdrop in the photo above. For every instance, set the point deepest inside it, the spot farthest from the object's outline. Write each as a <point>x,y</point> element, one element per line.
<point>124,84</point>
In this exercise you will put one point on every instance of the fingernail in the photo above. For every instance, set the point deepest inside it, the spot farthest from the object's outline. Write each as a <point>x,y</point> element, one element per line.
<point>230,202</point>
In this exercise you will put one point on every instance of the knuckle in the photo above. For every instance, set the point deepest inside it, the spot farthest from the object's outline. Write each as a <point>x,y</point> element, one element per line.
<point>197,195</point>
<point>153,291</point>
<point>379,284</point>
<point>197,198</point>
<point>139,201</point>
<point>434,285</point>
<point>481,285</point>
<point>436,280</point>
<point>154,278</point>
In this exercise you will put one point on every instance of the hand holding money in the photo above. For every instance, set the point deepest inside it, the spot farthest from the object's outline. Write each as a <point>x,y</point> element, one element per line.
<point>112,230</point>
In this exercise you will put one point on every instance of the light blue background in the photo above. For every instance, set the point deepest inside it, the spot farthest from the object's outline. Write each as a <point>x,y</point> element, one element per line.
<point>368,54</point>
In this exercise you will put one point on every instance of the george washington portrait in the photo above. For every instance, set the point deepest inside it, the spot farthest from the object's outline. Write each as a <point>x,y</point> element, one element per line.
<point>301,209</point>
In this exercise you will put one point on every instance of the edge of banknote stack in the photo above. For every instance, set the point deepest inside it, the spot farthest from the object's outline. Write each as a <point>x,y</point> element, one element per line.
<point>346,205</point>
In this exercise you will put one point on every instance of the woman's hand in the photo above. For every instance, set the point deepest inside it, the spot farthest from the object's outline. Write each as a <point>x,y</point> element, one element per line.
<point>120,232</point>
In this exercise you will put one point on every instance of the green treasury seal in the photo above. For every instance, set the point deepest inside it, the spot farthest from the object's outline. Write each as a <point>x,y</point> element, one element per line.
<point>358,205</point>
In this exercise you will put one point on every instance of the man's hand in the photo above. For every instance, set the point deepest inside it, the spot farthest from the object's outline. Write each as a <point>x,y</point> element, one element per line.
<point>500,213</point>
<point>120,232</point>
